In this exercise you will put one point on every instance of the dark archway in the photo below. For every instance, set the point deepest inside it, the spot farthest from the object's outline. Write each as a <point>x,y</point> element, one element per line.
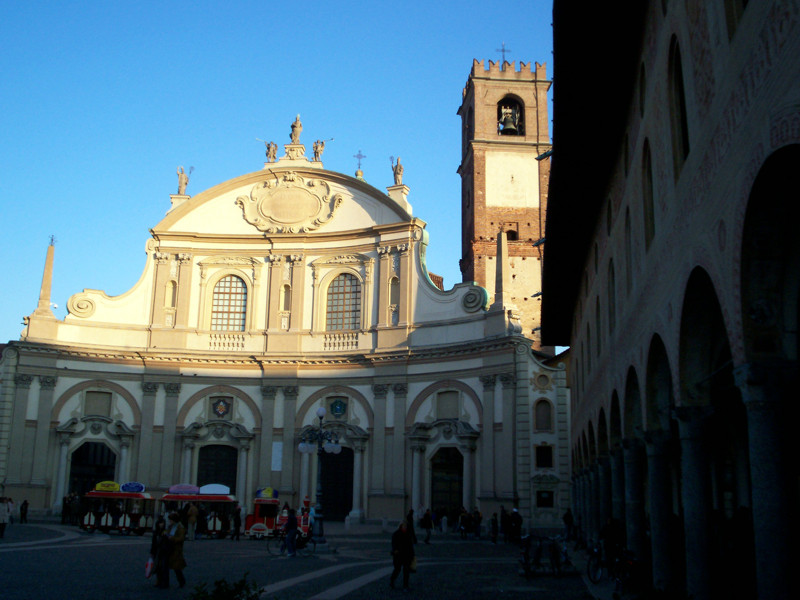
<point>447,483</point>
<point>770,297</point>
<point>719,507</point>
<point>91,463</point>
<point>337,484</point>
<point>217,464</point>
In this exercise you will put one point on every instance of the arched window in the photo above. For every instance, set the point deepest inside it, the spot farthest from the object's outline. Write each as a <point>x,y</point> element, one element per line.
<point>679,124</point>
<point>229,304</point>
<point>286,297</point>
<point>628,253</point>
<point>612,297</point>
<point>597,327</point>
<point>344,303</point>
<point>510,116</point>
<point>543,416</point>
<point>171,294</point>
<point>647,196</point>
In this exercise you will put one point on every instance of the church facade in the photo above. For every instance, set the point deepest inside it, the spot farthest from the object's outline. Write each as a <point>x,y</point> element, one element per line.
<point>262,300</point>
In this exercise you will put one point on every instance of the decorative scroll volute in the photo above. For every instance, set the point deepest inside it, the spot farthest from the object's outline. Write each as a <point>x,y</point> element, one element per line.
<point>289,204</point>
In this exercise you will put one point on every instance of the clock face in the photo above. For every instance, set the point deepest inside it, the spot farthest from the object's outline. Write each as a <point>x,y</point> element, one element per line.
<point>338,407</point>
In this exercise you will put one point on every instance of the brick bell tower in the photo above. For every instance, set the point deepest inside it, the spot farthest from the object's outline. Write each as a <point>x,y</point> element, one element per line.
<point>504,129</point>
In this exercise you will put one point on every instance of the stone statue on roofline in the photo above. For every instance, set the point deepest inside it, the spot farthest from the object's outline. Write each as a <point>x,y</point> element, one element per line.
<point>183,181</point>
<point>272,151</point>
<point>297,129</point>
<point>319,147</point>
<point>397,169</point>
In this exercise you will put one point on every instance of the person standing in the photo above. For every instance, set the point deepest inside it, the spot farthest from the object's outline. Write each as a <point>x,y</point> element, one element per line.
<point>402,554</point>
<point>410,524</point>
<point>176,534</point>
<point>3,517</point>
<point>191,521</point>
<point>23,512</point>
<point>426,522</point>
<point>494,528</point>
<point>158,552</point>
<point>291,533</point>
<point>569,521</point>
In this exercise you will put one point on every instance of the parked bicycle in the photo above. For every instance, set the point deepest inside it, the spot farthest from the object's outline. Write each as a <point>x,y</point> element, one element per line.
<point>535,548</point>
<point>304,544</point>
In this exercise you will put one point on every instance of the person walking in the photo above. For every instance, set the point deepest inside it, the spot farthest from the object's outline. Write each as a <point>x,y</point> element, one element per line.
<point>176,534</point>
<point>410,524</point>
<point>402,554</point>
<point>23,512</point>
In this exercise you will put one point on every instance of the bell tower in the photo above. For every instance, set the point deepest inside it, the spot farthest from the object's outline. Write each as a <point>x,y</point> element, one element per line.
<point>504,133</point>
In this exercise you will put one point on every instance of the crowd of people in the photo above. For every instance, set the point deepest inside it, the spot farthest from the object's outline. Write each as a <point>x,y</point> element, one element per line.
<point>8,511</point>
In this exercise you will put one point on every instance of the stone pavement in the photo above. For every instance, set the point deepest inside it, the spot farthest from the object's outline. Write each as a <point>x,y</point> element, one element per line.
<point>357,568</point>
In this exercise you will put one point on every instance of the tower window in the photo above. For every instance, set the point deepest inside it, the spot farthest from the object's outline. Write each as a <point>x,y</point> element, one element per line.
<point>510,117</point>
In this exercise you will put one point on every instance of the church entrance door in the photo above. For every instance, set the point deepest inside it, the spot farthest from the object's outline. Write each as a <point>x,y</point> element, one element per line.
<point>91,463</point>
<point>337,485</point>
<point>447,483</point>
<point>217,464</point>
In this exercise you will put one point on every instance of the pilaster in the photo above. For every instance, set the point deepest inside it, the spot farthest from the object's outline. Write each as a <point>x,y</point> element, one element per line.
<point>166,473</point>
<point>397,472</point>
<point>378,442</point>
<point>144,466</point>
<point>16,450</point>
<point>47,386</point>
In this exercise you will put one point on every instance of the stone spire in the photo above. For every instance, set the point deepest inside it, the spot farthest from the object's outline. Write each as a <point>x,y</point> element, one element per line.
<point>43,309</point>
<point>502,295</point>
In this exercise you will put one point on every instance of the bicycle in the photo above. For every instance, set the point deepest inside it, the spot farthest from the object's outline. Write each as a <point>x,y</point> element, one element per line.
<point>305,544</point>
<point>594,566</point>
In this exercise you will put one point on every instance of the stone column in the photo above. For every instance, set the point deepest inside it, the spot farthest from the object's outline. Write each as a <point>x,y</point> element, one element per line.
<point>378,446</point>
<point>241,473</point>
<point>417,455</point>
<point>16,447</point>
<point>505,456</point>
<point>305,459</point>
<point>290,393</point>
<point>658,483</point>
<point>168,440</point>
<point>403,250</point>
<point>633,454</point>
<point>357,512</point>
<point>594,501</point>
<point>617,484</point>
<point>61,477</point>
<point>186,469</point>
<point>122,473</point>
<point>487,437</point>
<point>184,289</point>
<point>274,299</point>
<point>468,449</point>
<point>383,277</point>
<point>398,458</point>
<point>41,443</point>
<point>762,395</point>
<point>695,496</point>
<point>298,288</point>
<point>586,526</point>
<point>265,475</point>
<point>604,489</point>
<point>145,467</point>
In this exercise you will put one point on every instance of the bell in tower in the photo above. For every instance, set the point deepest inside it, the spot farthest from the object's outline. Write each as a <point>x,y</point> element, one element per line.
<point>508,121</point>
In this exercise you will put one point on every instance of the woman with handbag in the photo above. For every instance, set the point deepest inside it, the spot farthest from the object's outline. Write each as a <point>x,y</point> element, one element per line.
<point>175,534</point>
<point>402,554</point>
<point>158,554</point>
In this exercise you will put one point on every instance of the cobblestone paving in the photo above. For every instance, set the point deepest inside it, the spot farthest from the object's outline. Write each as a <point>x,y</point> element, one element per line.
<point>41,561</point>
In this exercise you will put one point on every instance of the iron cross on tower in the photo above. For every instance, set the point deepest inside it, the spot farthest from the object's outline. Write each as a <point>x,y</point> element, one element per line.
<point>502,51</point>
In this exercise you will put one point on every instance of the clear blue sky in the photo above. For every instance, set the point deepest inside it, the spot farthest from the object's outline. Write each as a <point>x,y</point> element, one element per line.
<point>100,101</point>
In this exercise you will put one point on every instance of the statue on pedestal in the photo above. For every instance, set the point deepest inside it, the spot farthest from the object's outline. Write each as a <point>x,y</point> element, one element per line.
<point>319,147</point>
<point>272,151</point>
<point>397,169</point>
<point>297,129</point>
<point>183,181</point>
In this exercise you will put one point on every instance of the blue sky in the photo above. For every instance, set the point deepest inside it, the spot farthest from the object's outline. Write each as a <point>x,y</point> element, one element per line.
<point>101,101</point>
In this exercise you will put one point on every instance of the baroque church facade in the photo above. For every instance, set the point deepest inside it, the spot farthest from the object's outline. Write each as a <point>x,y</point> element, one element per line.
<point>673,273</point>
<point>262,300</point>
